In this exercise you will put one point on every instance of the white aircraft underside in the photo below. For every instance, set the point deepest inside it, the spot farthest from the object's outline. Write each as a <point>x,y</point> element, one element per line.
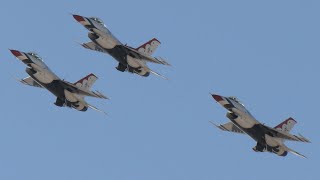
<point>268,139</point>
<point>130,59</point>
<point>68,94</point>
<point>106,41</point>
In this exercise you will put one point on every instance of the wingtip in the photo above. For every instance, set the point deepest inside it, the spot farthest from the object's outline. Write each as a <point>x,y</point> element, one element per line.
<point>18,79</point>
<point>84,45</point>
<point>79,43</point>
<point>214,123</point>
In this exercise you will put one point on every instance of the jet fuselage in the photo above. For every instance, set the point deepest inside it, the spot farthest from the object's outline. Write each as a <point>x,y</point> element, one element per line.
<point>42,75</point>
<point>107,42</point>
<point>242,118</point>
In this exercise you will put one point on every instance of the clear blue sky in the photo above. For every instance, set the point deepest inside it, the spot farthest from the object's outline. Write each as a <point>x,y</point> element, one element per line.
<point>265,53</point>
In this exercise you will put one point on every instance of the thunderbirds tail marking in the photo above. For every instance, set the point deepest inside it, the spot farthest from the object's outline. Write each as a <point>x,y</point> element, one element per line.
<point>149,47</point>
<point>86,82</point>
<point>286,125</point>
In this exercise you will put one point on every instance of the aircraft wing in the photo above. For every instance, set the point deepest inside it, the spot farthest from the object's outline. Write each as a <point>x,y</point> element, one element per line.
<point>146,57</point>
<point>92,46</point>
<point>284,135</point>
<point>228,127</point>
<point>30,81</point>
<point>82,91</point>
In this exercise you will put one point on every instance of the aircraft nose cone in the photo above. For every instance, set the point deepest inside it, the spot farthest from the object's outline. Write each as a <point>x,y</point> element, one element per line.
<point>15,52</point>
<point>217,97</point>
<point>78,18</point>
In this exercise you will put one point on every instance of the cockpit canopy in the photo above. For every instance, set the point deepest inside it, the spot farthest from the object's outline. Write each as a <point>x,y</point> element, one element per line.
<point>235,99</point>
<point>35,55</point>
<point>98,20</point>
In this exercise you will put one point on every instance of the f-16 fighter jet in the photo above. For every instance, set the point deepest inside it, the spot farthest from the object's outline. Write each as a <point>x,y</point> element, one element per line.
<point>268,139</point>
<point>68,94</point>
<point>133,60</point>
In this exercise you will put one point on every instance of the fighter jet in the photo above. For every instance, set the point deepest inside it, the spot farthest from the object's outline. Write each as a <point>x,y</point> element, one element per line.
<point>68,94</point>
<point>268,139</point>
<point>133,60</point>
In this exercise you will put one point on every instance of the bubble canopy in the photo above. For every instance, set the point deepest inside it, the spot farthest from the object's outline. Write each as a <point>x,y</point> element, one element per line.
<point>35,55</point>
<point>235,99</point>
<point>98,20</point>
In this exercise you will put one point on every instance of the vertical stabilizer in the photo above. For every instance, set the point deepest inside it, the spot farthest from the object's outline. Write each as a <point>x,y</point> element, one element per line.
<point>149,47</point>
<point>86,82</point>
<point>286,125</point>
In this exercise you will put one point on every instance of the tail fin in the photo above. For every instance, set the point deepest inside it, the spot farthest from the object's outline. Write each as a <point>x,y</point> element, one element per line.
<point>286,125</point>
<point>149,47</point>
<point>87,81</point>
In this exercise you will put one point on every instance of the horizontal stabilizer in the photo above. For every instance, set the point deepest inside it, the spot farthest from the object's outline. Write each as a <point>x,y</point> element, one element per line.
<point>84,92</point>
<point>286,136</point>
<point>298,154</point>
<point>157,74</point>
<point>295,152</point>
<point>162,61</point>
<point>146,57</point>
<point>99,95</point>
<point>96,109</point>
<point>91,106</point>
